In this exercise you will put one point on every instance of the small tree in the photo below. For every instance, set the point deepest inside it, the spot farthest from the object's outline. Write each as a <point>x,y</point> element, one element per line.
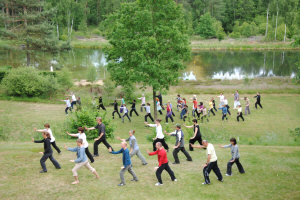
<point>205,27</point>
<point>149,42</point>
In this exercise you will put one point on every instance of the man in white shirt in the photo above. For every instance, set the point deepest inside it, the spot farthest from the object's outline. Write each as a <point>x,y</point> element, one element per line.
<point>211,162</point>
<point>143,99</point>
<point>68,105</point>
<point>74,100</point>
<point>226,104</point>
<point>160,137</point>
<point>221,99</point>
<point>148,113</point>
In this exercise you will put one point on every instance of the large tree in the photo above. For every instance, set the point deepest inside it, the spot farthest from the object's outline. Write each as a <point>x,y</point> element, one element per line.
<point>149,43</point>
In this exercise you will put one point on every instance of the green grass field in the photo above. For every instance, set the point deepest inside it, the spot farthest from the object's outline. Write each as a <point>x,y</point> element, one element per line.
<point>269,153</point>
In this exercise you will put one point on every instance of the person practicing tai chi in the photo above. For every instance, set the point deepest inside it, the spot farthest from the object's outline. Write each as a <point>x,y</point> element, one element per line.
<point>224,112</point>
<point>101,105</point>
<point>74,100</point>
<point>85,144</point>
<point>134,147</point>
<point>47,152</point>
<point>236,99</point>
<point>258,98</point>
<point>143,99</point>
<point>102,136</point>
<point>227,106</point>
<point>247,106</point>
<point>179,145</point>
<point>116,110</point>
<point>81,160</point>
<point>195,106</point>
<point>197,135</point>
<point>159,96</point>
<point>211,107</point>
<point>221,96</point>
<point>184,113</point>
<point>235,157</point>
<point>48,130</point>
<point>68,105</point>
<point>158,106</point>
<point>169,113</point>
<point>240,113</point>
<point>133,109</point>
<point>163,163</point>
<point>125,113</point>
<point>148,111</point>
<point>160,137</point>
<point>126,163</point>
<point>211,162</point>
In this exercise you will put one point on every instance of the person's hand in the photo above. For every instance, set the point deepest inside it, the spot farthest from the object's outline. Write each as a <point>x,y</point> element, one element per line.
<point>165,131</point>
<point>72,161</point>
<point>221,146</point>
<point>85,128</point>
<point>118,138</point>
<point>192,138</point>
<point>95,139</point>
<point>155,168</point>
<point>41,152</point>
<point>32,139</point>
<point>68,133</point>
<point>110,150</point>
<point>147,151</point>
<point>65,146</point>
<point>34,129</point>
<point>122,167</point>
<point>204,165</point>
<point>192,145</point>
<point>232,161</point>
<point>174,147</point>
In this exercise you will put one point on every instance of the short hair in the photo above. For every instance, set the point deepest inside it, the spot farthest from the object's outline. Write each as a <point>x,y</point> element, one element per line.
<point>79,140</point>
<point>132,131</point>
<point>99,118</point>
<point>47,134</point>
<point>233,140</point>
<point>195,120</point>
<point>148,104</point>
<point>47,125</point>
<point>204,141</point>
<point>178,125</point>
<point>159,120</point>
<point>159,144</point>
<point>80,129</point>
<point>124,143</point>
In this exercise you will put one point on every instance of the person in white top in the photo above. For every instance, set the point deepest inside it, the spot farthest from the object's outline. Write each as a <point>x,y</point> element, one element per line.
<point>226,104</point>
<point>221,99</point>
<point>82,135</point>
<point>158,106</point>
<point>143,99</point>
<point>240,113</point>
<point>125,113</point>
<point>52,139</point>
<point>211,162</point>
<point>148,113</point>
<point>68,105</point>
<point>160,137</point>
<point>74,100</point>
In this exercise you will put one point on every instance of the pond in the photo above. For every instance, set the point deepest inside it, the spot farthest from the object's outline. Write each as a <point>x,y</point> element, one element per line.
<point>203,64</point>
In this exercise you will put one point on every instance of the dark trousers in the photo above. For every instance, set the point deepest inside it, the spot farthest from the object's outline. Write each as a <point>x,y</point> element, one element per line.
<point>211,111</point>
<point>224,116</point>
<point>182,149</point>
<point>238,164</point>
<point>133,110</point>
<point>101,106</point>
<point>125,114</point>
<point>215,108</point>
<point>45,157</point>
<point>72,104</point>
<point>115,111</point>
<point>192,141</point>
<point>68,108</point>
<point>89,155</point>
<point>169,116</point>
<point>198,114</point>
<point>96,143</point>
<point>173,113</point>
<point>55,147</point>
<point>149,115</point>
<point>228,109</point>
<point>161,169</point>
<point>258,103</point>
<point>240,116</point>
<point>162,141</point>
<point>212,166</point>
<point>160,112</point>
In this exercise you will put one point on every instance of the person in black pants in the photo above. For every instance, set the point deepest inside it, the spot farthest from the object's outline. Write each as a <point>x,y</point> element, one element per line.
<point>148,111</point>
<point>179,145</point>
<point>47,152</point>
<point>133,109</point>
<point>240,113</point>
<point>197,135</point>
<point>125,111</point>
<point>258,98</point>
<point>160,100</point>
<point>102,136</point>
<point>101,104</point>
<point>214,104</point>
<point>115,110</point>
<point>160,137</point>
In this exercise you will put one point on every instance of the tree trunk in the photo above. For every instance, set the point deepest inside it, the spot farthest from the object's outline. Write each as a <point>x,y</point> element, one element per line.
<point>284,32</point>
<point>267,22</point>
<point>27,54</point>
<point>154,104</point>
<point>57,30</point>
<point>276,23</point>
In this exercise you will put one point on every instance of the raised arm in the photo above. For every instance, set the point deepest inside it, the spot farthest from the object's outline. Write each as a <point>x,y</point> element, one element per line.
<point>197,146</point>
<point>188,126</point>
<point>73,135</point>
<point>89,129</point>
<point>152,153</point>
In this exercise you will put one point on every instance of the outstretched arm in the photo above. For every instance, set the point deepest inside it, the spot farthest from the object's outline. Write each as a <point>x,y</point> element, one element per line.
<point>187,126</point>
<point>88,129</point>
<point>73,135</point>
<point>197,146</point>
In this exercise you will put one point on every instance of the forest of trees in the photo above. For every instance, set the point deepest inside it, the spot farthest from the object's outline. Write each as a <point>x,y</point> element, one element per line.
<point>274,19</point>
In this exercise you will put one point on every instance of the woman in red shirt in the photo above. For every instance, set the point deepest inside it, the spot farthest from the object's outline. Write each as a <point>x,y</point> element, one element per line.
<point>162,163</point>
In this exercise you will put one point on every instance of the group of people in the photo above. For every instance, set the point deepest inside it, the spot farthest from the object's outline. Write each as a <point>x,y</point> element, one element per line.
<point>160,148</point>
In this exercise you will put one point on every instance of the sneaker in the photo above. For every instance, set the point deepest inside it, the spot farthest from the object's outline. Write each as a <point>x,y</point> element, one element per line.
<point>221,180</point>
<point>42,171</point>
<point>175,163</point>
<point>158,184</point>
<point>134,180</point>
<point>228,175</point>
<point>205,183</point>
<point>145,163</point>
<point>121,184</point>
<point>95,155</point>
<point>175,180</point>
<point>189,160</point>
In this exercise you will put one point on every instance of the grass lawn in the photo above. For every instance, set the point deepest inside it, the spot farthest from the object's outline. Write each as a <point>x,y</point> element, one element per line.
<point>269,153</point>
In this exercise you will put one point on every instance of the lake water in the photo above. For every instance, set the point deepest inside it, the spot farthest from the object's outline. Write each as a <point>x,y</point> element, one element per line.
<point>203,64</point>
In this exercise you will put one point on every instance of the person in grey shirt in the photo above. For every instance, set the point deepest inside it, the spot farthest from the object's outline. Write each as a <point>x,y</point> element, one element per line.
<point>235,157</point>
<point>134,147</point>
<point>236,99</point>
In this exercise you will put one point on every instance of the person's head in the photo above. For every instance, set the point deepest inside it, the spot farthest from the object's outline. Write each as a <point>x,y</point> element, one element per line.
<point>233,141</point>
<point>245,98</point>
<point>224,105</point>
<point>221,93</point>
<point>46,135</point>
<point>184,99</point>
<point>236,91</point>
<point>134,100</point>
<point>79,142</point>
<point>148,104</point>
<point>100,97</point>
<point>67,98</point>
<point>157,121</point>
<point>212,98</point>
<point>239,105</point>
<point>115,101</point>
<point>157,99</point>
<point>80,130</point>
<point>158,145</point>
<point>124,105</point>
<point>201,103</point>
<point>178,126</point>
<point>178,95</point>
<point>124,145</point>
<point>186,106</point>
<point>258,93</point>
<point>78,98</point>
<point>47,125</point>
<point>204,143</point>
<point>131,132</point>
<point>195,121</point>
<point>99,120</point>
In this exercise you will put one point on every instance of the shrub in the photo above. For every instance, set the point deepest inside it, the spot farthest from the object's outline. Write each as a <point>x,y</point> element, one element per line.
<point>205,26</point>
<point>296,41</point>
<point>91,74</point>
<point>220,34</point>
<point>64,38</point>
<point>235,35</point>
<point>295,134</point>
<point>64,79</point>
<point>27,81</point>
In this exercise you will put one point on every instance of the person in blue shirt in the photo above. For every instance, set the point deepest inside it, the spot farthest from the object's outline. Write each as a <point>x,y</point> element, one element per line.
<point>81,160</point>
<point>224,112</point>
<point>126,163</point>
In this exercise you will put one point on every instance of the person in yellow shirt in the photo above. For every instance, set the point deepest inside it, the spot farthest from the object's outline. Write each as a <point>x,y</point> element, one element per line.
<point>211,107</point>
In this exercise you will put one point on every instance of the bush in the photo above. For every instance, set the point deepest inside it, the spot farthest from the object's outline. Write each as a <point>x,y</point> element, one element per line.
<point>64,37</point>
<point>220,34</point>
<point>205,27</point>
<point>91,74</point>
<point>235,35</point>
<point>86,117</point>
<point>296,41</point>
<point>27,81</point>
<point>96,32</point>
<point>64,79</point>
<point>295,134</point>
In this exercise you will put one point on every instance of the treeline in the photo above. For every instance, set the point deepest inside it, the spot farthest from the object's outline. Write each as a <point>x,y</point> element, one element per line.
<point>274,19</point>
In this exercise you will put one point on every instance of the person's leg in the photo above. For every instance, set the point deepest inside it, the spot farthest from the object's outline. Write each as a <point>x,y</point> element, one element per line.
<point>131,112</point>
<point>228,110</point>
<point>102,106</point>
<point>55,147</point>
<point>113,114</point>
<point>151,117</point>
<point>128,117</point>
<point>137,114</point>
<point>130,170</point>
<point>223,116</point>
<point>242,117</point>
<point>206,171</point>
<point>167,118</point>
<point>119,114</point>
<point>172,119</point>
<point>154,142</point>
<point>54,162</point>
<point>212,111</point>
<point>229,167</point>
<point>74,171</point>
<point>239,165</point>
<point>237,118</point>
<point>106,144</point>
<point>191,141</point>
<point>175,155</point>
<point>163,142</point>
<point>89,167</point>
<point>173,113</point>
<point>260,105</point>
<point>43,160</point>
<point>256,105</point>
<point>249,110</point>
<point>141,157</point>
<point>158,173</point>
<point>170,171</point>
<point>199,139</point>
<point>96,143</point>
<point>89,155</point>
<point>66,110</point>
<point>123,117</point>
<point>123,170</point>
<point>187,155</point>
<point>146,116</point>
<point>217,171</point>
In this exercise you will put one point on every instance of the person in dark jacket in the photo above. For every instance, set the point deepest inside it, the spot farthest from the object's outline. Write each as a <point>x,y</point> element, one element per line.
<point>133,109</point>
<point>159,96</point>
<point>47,152</point>
<point>258,100</point>
<point>116,107</point>
<point>101,104</point>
